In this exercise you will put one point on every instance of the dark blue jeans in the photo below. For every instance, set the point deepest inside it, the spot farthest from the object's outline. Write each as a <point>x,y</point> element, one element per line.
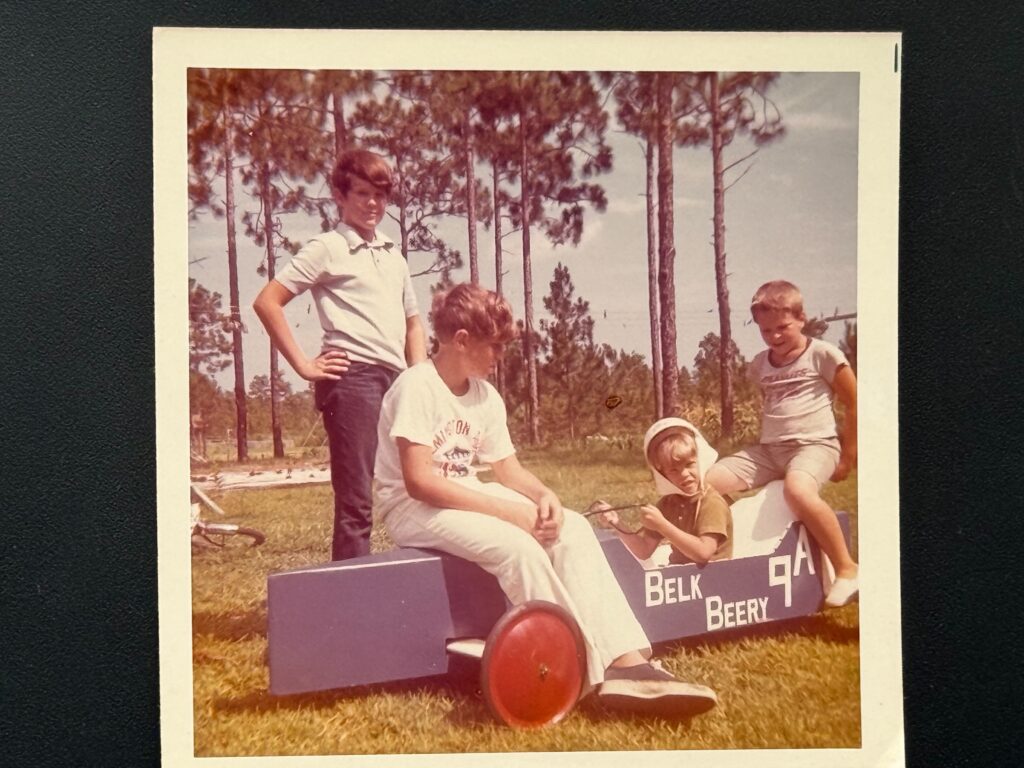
<point>351,406</point>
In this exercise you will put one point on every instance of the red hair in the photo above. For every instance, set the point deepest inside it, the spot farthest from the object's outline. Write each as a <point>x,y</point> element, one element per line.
<point>482,313</point>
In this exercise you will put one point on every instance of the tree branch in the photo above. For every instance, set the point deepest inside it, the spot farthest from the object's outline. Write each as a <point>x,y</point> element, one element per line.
<point>745,157</point>
<point>733,183</point>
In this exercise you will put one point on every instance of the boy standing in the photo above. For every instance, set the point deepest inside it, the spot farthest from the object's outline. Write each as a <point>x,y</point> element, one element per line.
<point>691,515</point>
<point>799,377</point>
<point>372,330</point>
<point>441,415</point>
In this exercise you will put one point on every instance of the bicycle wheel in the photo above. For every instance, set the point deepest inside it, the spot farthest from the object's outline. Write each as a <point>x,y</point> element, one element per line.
<point>228,534</point>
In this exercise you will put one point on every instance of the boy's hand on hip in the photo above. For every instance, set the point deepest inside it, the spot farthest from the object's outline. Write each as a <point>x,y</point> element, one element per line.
<point>327,365</point>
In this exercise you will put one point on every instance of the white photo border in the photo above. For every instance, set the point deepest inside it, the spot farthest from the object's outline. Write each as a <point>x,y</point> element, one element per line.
<point>875,56</point>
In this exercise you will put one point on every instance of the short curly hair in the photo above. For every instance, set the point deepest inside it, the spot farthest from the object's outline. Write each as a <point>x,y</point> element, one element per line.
<point>483,313</point>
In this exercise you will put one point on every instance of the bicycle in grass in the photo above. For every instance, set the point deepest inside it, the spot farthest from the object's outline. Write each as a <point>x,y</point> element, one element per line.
<point>218,535</point>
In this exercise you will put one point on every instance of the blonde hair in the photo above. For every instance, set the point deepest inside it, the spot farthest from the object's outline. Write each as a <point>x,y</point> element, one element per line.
<point>778,296</point>
<point>482,313</point>
<point>669,446</point>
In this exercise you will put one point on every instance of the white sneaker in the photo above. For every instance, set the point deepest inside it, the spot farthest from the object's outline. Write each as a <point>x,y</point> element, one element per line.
<point>843,591</point>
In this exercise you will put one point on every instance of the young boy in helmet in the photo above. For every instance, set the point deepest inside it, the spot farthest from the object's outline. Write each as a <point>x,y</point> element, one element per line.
<point>690,515</point>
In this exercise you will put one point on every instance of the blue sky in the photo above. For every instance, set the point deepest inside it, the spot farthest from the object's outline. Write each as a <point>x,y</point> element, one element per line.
<point>792,216</point>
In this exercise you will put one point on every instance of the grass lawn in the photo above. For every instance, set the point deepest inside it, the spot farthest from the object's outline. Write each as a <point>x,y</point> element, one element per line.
<point>788,684</point>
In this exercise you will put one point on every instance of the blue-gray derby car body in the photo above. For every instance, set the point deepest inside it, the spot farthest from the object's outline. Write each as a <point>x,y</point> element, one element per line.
<point>392,616</point>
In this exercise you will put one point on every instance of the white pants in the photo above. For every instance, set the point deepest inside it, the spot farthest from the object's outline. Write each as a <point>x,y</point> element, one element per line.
<point>573,572</point>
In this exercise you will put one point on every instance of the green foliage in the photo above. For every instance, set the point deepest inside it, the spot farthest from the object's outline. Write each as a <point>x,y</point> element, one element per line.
<point>296,410</point>
<point>516,390</point>
<point>792,684</point>
<point>279,131</point>
<point>298,415</point>
<point>743,107</point>
<point>700,397</point>
<point>573,362</point>
<point>259,387</point>
<point>427,185</point>
<point>282,149</point>
<point>208,326</point>
<point>848,344</point>
<point>216,407</point>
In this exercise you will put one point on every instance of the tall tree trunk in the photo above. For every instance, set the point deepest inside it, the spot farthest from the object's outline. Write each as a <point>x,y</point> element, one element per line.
<point>570,406</point>
<point>721,278</point>
<point>241,417</point>
<point>666,246</point>
<point>275,396</point>
<point>403,230</point>
<point>340,130</point>
<point>500,368</point>
<point>533,398</point>
<point>474,270</point>
<point>652,282</point>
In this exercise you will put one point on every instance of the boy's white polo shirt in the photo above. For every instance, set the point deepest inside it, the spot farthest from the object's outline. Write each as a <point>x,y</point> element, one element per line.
<point>362,291</point>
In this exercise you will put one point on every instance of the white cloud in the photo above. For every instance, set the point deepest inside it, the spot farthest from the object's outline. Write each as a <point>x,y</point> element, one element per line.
<point>818,121</point>
<point>632,206</point>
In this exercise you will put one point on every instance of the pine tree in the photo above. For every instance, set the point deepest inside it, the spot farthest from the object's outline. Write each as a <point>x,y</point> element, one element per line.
<point>634,93</point>
<point>664,86</point>
<point>427,186</point>
<point>208,346</point>
<point>497,146</point>
<point>452,99</point>
<point>330,91</point>
<point>732,103</point>
<point>213,134</point>
<point>558,117</point>
<point>570,343</point>
<point>285,147</point>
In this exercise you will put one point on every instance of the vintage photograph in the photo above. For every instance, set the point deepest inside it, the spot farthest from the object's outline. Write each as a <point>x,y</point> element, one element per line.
<point>524,410</point>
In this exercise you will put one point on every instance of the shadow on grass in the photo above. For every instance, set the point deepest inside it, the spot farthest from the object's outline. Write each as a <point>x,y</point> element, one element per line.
<point>469,710</point>
<point>233,625</point>
<point>840,626</point>
<point>594,710</point>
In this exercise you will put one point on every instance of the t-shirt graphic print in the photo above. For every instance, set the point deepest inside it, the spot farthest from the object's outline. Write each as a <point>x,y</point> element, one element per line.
<point>460,430</point>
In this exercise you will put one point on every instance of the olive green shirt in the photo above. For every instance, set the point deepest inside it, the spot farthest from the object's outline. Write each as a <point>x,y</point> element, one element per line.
<point>715,519</point>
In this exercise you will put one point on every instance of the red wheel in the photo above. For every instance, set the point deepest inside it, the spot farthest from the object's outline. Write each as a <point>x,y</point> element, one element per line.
<point>534,665</point>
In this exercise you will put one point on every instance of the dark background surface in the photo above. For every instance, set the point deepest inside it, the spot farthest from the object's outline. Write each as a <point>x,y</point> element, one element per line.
<point>78,574</point>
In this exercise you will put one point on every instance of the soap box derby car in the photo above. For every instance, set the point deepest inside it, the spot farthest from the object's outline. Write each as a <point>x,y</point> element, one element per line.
<point>406,613</point>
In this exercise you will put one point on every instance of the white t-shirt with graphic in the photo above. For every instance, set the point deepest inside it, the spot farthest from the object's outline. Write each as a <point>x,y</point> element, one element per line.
<point>798,396</point>
<point>459,429</point>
